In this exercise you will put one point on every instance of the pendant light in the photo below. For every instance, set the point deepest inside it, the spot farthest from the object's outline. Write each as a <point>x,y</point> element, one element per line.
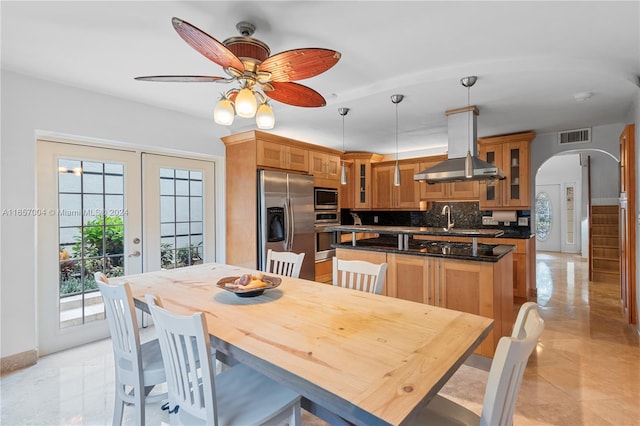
<point>468,161</point>
<point>396,99</point>
<point>343,169</point>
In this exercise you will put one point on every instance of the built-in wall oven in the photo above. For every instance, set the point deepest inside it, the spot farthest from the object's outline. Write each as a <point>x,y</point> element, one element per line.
<point>324,239</point>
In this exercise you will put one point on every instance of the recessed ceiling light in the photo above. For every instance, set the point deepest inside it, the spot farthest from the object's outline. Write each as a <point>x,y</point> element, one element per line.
<point>582,96</point>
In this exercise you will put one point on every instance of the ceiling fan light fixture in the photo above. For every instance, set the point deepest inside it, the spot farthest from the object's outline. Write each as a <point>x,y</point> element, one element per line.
<point>249,62</point>
<point>224,113</point>
<point>264,117</point>
<point>246,103</point>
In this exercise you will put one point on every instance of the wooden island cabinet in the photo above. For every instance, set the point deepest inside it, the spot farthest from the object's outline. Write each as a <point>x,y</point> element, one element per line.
<point>474,286</point>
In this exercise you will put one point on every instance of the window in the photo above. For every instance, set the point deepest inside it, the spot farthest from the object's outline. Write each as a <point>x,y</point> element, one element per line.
<point>91,231</point>
<point>181,218</point>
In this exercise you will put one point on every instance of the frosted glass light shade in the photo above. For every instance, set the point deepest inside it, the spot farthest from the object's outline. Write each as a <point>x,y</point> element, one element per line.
<point>223,112</point>
<point>264,117</point>
<point>396,175</point>
<point>246,103</point>
<point>343,174</point>
<point>468,165</point>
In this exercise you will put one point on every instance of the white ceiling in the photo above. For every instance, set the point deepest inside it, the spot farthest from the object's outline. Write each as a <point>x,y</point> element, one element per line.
<point>531,58</point>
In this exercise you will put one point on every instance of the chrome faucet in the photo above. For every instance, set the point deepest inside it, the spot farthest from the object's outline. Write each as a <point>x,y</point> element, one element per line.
<point>447,210</point>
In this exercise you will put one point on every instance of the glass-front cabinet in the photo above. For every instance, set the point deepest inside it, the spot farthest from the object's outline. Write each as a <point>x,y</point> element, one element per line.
<point>359,178</point>
<point>511,154</point>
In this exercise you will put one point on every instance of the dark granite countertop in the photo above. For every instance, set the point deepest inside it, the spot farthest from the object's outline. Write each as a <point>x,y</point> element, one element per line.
<point>449,250</point>
<point>418,230</point>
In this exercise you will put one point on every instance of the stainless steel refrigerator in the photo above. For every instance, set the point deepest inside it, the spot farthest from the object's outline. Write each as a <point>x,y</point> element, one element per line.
<point>285,217</point>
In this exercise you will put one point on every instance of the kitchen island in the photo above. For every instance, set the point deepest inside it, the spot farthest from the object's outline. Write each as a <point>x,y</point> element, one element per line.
<point>452,275</point>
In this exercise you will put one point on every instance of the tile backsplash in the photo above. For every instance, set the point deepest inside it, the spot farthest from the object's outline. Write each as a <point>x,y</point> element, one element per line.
<point>465,214</point>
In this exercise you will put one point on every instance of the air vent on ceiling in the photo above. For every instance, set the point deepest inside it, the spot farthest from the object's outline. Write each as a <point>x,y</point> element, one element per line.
<point>574,136</point>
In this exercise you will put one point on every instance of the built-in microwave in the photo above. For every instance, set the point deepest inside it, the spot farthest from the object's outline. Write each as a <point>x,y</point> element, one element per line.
<point>325,198</point>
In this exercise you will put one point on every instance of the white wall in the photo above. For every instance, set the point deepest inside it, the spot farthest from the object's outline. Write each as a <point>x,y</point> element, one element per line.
<point>30,105</point>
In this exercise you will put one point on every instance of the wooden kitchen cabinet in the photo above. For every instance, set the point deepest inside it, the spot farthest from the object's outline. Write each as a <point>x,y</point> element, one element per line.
<point>246,153</point>
<point>281,156</point>
<point>347,191</point>
<point>511,154</point>
<point>358,188</point>
<point>324,165</point>
<point>388,196</point>
<point>451,191</point>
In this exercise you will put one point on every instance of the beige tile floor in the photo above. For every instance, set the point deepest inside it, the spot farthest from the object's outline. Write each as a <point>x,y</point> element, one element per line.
<point>585,370</point>
<point>586,367</point>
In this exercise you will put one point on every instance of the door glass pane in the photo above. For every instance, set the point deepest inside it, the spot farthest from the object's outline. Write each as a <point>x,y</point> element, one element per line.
<point>570,215</point>
<point>90,234</point>
<point>181,216</point>
<point>544,216</point>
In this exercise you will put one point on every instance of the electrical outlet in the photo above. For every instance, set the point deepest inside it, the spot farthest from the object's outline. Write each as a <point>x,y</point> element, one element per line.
<point>523,221</point>
<point>375,219</point>
<point>488,220</point>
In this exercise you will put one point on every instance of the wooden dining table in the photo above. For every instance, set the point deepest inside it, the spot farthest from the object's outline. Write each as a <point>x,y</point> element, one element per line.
<point>354,357</point>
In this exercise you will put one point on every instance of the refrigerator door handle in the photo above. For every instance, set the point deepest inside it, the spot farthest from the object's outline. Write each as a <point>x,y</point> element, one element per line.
<point>292,226</point>
<point>287,223</point>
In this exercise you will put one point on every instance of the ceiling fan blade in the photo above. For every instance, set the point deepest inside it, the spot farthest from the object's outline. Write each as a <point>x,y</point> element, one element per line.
<point>299,64</point>
<point>207,45</point>
<point>295,94</point>
<point>181,78</point>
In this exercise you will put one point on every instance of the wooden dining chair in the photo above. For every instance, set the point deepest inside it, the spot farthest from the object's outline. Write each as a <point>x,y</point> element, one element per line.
<point>138,367</point>
<point>236,396</point>
<point>359,275</point>
<point>503,384</point>
<point>284,263</point>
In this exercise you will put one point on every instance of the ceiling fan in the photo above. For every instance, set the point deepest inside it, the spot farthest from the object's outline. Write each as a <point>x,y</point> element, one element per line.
<point>262,77</point>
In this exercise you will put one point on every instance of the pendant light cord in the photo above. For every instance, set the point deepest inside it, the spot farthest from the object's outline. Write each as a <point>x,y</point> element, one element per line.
<point>343,132</point>
<point>396,134</point>
<point>469,119</point>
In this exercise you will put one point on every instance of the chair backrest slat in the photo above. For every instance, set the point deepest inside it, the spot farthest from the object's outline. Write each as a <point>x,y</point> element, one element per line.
<point>284,263</point>
<point>359,275</point>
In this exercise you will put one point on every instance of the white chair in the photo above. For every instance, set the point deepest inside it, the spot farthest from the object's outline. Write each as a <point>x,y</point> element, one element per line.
<point>505,376</point>
<point>237,396</point>
<point>521,323</point>
<point>284,263</point>
<point>359,275</point>
<point>138,366</point>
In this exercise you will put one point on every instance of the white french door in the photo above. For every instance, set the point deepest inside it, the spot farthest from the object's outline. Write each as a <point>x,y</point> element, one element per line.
<point>91,221</point>
<point>117,211</point>
<point>179,223</point>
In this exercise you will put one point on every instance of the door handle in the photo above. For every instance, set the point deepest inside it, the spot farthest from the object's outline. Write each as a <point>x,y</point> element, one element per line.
<point>135,254</point>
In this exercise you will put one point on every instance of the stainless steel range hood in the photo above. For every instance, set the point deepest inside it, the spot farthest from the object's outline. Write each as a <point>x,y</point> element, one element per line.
<point>462,124</point>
